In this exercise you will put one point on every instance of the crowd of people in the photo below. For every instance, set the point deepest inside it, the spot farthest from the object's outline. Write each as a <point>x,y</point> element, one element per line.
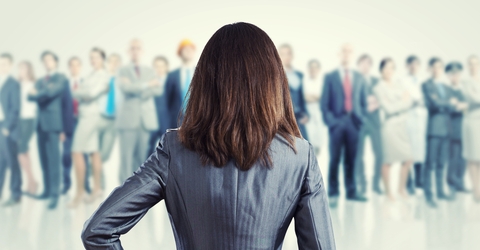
<point>425,125</point>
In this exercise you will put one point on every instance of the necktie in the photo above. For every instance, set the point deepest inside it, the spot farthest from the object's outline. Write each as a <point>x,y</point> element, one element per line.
<point>75,102</point>
<point>110,110</point>
<point>186,86</point>
<point>347,89</point>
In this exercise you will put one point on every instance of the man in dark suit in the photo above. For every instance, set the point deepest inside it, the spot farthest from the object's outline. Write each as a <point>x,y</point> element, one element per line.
<point>340,105</point>
<point>438,100</point>
<point>177,84</point>
<point>48,94</point>
<point>456,164</point>
<point>160,66</point>
<point>370,127</point>
<point>9,118</point>
<point>295,82</point>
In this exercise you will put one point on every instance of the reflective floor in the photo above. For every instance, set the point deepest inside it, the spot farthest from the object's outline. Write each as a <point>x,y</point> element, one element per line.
<point>377,224</point>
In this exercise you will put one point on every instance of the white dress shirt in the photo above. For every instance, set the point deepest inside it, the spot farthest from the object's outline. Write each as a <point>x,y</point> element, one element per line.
<point>28,108</point>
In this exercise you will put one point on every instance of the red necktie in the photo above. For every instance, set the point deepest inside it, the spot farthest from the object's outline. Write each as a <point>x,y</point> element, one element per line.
<point>75,102</point>
<point>347,89</point>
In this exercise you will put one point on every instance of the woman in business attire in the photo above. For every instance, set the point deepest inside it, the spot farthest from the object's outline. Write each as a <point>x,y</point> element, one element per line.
<point>316,129</point>
<point>237,171</point>
<point>471,125</point>
<point>28,113</point>
<point>86,138</point>
<point>396,102</point>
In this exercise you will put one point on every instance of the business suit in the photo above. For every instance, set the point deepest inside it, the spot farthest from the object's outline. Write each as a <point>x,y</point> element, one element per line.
<point>221,208</point>
<point>437,100</point>
<point>136,116</point>
<point>298,100</point>
<point>343,126</point>
<point>162,113</point>
<point>48,96</point>
<point>69,123</point>
<point>173,99</point>
<point>456,164</point>
<point>371,128</point>
<point>10,105</point>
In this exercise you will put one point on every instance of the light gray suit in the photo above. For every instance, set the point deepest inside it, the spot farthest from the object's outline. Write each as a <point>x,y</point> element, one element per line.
<point>221,208</point>
<point>136,116</point>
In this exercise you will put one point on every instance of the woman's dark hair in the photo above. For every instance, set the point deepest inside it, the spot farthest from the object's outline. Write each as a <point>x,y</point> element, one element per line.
<point>433,60</point>
<point>453,67</point>
<point>384,62</point>
<point>239,99</point>
<point>48,52</point>
<point>100,51</point>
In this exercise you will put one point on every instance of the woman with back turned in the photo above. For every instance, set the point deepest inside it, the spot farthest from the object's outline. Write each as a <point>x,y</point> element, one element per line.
<point>236,172</point>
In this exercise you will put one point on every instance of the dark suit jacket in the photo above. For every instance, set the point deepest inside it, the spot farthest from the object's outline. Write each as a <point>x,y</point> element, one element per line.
<point>298,99</point>
<point>49,99</point>
<point>332,102</point>
<point>371,119</point>
<point>221,208</point>
<point>173,99</point>
<point>10,100</point>
<point>457,116</point>
<point>163,113</point>
<point>68,118</point>
<point>439,109</point>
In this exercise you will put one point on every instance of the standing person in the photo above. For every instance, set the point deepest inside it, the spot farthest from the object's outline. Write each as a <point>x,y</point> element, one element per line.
<point>316,129</point>
<point>160,66</point>
<point>48,96</point>
<point>70,118</point>
<point>295,81</point>
<point>438,100</point>
<point>28,113</point>
<point>340,104</point>
<point>178,82</point>
<point>471,131</point>
<point>9,121</point>
<point>108,103</point>
<point>370,127</point>
<point>224,188</point>
<point>136,116</point>
<point>456,164</point>
<point>417,122</point>
<point>85,140</point>
<point>395,101</point>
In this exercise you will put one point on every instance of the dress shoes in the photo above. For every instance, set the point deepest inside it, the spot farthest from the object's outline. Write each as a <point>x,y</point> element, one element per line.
<point>12,202</point>
<point>357,197</point>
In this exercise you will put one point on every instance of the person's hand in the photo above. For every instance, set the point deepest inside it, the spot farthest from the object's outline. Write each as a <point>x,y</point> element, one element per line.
<point>371,99</point>
<point>453,101</point>
<point>406,95</point>
<point>62,137</point>
<point>5,132</point>
<point>462,106</point>
<point>125,80</point>
<point>33,91</point>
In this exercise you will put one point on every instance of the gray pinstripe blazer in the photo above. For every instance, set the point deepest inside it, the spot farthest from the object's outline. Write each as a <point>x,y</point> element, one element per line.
<point>221,208</point>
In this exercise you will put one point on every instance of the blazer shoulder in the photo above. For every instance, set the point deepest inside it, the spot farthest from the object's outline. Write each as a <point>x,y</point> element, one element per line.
<point>299,74</point>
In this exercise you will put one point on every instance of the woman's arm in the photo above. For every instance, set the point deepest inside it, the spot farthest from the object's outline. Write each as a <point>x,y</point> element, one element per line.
<point>127,204</point>
<point>313,225</point>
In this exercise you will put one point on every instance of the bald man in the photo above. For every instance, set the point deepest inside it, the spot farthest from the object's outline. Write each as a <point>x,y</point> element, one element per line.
<point>340,105</point>
<point>136,117</point>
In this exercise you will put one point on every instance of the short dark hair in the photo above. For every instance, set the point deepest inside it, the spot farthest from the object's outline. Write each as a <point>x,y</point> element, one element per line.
<point>314,61</point>
<point>384,62</point>
<point>7,56</point>
<point>364,57</point>
<point>99,51</point>
<point>160,58</point>
<point>74,58</point>
<point>433,60</point>
<point>245,91</point>
<point>453,67</point>
<point>286,46</point>
<point>48,52</point>
<point>411,59</point>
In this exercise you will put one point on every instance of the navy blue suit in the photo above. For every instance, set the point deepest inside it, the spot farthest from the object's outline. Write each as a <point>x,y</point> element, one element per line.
<point>299,105</point>
<point>456,164</point>
<point>69,122</point>
<point>10,104</point>
<point>173,101</point>
<point>343,128</point>
<point>438,134</point>
<point>163,116</point>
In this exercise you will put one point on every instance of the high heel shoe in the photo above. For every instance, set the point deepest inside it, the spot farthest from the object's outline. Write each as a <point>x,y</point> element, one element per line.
<point>77,200</point>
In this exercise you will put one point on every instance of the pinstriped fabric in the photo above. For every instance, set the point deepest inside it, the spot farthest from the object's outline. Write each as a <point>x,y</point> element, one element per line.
<point>222,208</point>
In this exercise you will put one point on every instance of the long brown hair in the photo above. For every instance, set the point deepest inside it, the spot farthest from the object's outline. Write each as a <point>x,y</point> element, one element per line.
<point>239,99</point>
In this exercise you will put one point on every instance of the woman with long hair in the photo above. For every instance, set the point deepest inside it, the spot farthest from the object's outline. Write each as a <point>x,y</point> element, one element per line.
<point>86,138</point>
<point>28,113</point>
<point>237,171</point>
